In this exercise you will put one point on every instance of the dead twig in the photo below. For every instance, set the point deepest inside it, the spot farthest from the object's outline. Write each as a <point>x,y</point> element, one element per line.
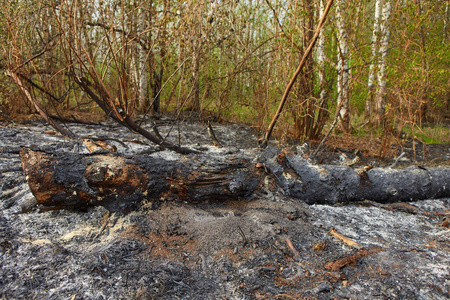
<point>212,135</point>
<point>350,259</point>
<point>396,161</point>
<point>406,208</point>
<point>292,248</point>
<point>344,239</point>
<point>243,236</point>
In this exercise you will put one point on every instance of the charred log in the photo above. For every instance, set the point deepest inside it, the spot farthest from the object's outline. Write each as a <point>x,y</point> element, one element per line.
<point>75,180</point>
<point>338,184</point>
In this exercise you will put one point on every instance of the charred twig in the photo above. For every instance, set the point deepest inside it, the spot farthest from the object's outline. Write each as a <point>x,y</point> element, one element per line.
<point>243,236</point>
<point>350,259</point>
<point>28,205</point>
<point>213,136</point>
<point>57,99</point>
<point>126,120</point>
<point>344,239</point>
<point>16,169</point>
<point>73,120</point>
<point>396,161</point>
<point>156,131</point>
<point>292,248</point>
<point>405,207</point>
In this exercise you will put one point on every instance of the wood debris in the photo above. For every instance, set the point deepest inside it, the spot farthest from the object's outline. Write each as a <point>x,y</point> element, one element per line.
<point>344,239</point>
<point>97,145</point>
<point>350,259</point>
<point>292,248</point>
<point>212,135</point>
<point>405,207</point>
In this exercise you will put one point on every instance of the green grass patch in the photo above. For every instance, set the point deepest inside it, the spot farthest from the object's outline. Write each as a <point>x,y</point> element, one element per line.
<point>430,135</point>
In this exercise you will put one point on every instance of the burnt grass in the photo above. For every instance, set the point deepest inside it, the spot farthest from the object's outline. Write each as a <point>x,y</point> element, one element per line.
<point>267,246</point>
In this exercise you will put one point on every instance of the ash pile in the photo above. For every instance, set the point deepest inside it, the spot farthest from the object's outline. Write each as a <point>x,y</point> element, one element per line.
<point>267,246</point>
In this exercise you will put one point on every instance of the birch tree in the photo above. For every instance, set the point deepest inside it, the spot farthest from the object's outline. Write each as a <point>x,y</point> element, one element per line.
<point>320,54</point>
<point>377,69</point>
<point>371,81</point>
<point>382,61</point>
<point>143,93</point>
<point>343,68</point>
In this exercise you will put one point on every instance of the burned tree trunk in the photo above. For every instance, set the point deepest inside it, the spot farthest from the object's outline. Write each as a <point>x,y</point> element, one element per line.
<point>331,184</point>
<point>77,181</point>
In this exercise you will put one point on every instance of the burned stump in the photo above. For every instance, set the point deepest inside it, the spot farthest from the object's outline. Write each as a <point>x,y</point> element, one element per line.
<point>75,180</point>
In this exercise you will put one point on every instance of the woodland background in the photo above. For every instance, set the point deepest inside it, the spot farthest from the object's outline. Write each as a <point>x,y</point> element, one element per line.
<point>380,67</point>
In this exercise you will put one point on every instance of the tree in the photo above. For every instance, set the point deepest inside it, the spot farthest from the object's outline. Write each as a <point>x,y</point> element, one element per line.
<point>343,92</point>
<point>144,17</point>
<point>374,52</point>
<point>378,64</point>
<point>382,61</point>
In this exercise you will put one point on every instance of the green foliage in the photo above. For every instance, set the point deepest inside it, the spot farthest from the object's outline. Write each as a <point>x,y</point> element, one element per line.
<point>430,135</point>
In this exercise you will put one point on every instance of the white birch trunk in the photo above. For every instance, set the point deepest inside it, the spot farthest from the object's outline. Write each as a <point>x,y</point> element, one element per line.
<point>375,35</point>
<point>320,51</point>
<point>382,60</point>
<point>143,64</point>
<point>343,67</point>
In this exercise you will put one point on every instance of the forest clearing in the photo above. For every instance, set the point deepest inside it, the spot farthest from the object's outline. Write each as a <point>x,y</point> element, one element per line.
<point>259,149</point>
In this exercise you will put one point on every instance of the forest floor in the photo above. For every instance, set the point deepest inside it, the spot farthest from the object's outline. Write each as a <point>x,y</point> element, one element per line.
<point>267,246</point>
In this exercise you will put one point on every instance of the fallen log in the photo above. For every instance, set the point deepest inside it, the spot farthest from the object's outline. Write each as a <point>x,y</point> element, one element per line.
<point>71,180</point>
<point>330,184</point>
<point>75,180</point>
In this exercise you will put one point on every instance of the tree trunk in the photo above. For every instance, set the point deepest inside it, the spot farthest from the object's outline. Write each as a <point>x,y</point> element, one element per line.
<point>343,68</point>
<point>320,51</point>
<point>72,180</point>
<point>143,77</point>
<point>78,181</point>
<point>382,61</point>
<point>371,81</point>
<point>195,102</point>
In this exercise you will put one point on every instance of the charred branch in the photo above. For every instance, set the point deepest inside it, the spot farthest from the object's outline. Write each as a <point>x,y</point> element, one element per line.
<point>38,107</point>
<point>127,121</point>
<point>53,97</point>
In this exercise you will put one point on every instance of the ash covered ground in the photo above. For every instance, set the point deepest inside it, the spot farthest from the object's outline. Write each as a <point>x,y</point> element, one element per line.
<point>267,246</point>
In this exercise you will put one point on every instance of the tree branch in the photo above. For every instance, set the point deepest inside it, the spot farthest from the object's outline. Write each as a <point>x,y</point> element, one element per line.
<point>297,72</point>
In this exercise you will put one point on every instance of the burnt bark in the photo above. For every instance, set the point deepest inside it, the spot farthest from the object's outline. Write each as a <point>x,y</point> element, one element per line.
<point>77,181</point>
<point>330,184</point>
<point>72,180</point>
